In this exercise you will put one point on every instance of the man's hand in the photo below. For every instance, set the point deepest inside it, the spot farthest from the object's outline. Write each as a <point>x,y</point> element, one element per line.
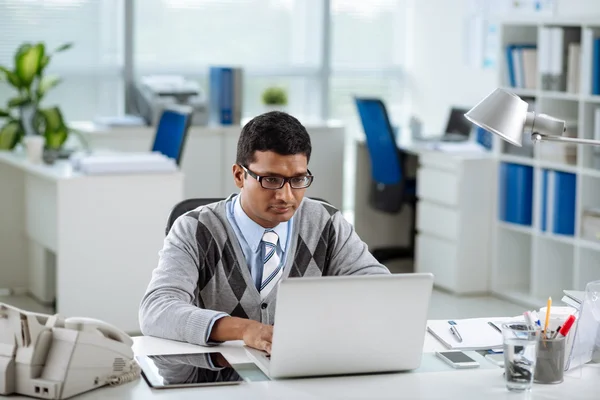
<point>258,336</point>
<point>254,334</point>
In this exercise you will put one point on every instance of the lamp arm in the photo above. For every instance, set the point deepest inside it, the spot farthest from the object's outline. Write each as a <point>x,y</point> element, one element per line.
<point>539,137</point>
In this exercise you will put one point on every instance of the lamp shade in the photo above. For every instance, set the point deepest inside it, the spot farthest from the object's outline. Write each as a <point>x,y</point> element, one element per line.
<point>502,113</point>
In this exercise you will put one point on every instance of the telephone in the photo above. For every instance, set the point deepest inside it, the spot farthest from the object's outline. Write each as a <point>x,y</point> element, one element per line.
<point>52,357</point>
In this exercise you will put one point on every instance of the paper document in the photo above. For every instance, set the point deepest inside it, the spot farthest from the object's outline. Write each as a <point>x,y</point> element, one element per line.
<point>476,333</point>
<point>460,147</point>
<point>122,163</point>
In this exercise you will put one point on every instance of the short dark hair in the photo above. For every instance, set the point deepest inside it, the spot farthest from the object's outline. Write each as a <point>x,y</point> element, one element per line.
<point>272,131</point>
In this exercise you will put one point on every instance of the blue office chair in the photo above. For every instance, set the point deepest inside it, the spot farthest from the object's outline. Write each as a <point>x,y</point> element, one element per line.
<point>171,132</point>
<point>390,188</point>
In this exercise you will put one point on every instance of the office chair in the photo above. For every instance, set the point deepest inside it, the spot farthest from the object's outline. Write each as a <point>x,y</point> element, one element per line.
<point>171,132</point>
<point>190,204</point>
<point>390,188</point>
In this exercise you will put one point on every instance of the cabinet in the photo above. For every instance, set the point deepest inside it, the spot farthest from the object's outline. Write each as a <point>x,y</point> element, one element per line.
<point>454,216</point>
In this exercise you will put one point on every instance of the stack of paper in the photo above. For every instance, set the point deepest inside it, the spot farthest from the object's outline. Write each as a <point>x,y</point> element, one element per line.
<point>476,334</point>
<point>123,163</point>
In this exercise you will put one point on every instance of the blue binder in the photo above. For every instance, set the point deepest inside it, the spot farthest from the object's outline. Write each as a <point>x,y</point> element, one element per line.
<point>516,193</point>
<point>558,202</point>
<point>221,95</point>
<point>596,68</point>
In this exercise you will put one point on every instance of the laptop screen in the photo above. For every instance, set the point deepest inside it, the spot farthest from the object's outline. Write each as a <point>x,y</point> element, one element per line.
<point>458,124</point>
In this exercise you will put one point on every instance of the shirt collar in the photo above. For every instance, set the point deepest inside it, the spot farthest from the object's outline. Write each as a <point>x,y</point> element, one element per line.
<point>252,231</point>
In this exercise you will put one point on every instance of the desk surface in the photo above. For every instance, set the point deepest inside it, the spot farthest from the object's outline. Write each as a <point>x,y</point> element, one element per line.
<point>59,170</point>
<point>454,384</point>
<point>463,150</point>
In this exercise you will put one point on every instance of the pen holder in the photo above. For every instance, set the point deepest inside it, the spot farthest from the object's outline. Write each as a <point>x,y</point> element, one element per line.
<point>549,367</point>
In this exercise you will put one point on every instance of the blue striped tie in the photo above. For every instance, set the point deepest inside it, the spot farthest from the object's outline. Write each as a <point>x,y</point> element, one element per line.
<point>272,268</point>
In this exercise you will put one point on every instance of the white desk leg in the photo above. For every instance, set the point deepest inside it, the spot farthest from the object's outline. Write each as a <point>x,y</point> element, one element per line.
<point>42,273</point>
<point>13,242</point>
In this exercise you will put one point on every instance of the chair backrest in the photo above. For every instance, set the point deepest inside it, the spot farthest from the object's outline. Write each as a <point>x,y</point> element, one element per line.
<point>184,206</point>
<point>386,162</point>
<point>190,204</point>
<point>171,132</point>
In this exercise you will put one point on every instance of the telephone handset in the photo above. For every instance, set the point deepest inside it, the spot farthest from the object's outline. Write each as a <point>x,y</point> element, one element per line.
<point>108,330</point>
<point>52,357</point>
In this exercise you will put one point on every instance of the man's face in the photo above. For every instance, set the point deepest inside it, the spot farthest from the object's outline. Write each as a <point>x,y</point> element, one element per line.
<point>268,207</point>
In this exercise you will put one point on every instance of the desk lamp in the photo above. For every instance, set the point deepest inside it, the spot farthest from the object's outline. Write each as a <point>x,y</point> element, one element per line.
<point>506,115</point>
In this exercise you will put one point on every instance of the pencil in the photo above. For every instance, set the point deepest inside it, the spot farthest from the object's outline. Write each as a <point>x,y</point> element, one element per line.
<point>547,315</point>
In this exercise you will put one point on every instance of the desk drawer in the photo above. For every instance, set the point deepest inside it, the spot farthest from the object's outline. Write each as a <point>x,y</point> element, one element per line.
<point>438,220</point>
<point>438,186</point>
<point>439,257</point>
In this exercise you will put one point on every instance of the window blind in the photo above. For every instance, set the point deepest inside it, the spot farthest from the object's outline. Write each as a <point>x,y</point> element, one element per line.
<point>91,70</point>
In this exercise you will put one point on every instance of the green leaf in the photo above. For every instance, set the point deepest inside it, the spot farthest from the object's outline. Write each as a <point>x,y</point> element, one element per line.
<point>28,63</point>
<point>43,64</point>
<point>19,101</point>
<point>47,83</point>
<point>10,134</point>
<point>4,113</point>
<point>56,132</point>
<point>63,47</point>
<point>11,77</point>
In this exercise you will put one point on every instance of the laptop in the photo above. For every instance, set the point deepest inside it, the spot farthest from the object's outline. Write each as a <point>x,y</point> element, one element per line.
<point>337,325</point>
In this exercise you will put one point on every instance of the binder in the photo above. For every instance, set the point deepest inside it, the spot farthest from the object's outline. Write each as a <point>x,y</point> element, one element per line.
<point>558,202</point>
<point>516,193</point>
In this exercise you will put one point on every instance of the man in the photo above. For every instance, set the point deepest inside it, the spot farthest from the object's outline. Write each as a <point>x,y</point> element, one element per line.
<point>220,265</point>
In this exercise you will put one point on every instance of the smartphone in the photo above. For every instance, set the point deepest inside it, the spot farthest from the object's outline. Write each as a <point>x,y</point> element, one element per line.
<point>457,359</point>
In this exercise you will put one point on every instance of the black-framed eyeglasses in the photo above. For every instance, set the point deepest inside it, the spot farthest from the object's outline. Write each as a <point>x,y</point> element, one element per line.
<point>277,182</point>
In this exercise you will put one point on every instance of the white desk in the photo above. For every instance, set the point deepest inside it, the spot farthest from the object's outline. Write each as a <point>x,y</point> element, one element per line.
<point>210,153</point>
<point>455,192</point>
<point>92,241</point>
<point>454,384</point>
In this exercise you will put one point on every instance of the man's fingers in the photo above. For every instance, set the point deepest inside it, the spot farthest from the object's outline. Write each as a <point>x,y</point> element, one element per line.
<point>269,333</point>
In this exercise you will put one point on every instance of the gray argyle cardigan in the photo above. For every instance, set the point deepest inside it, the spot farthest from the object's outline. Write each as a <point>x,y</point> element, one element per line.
<point>202,271</point>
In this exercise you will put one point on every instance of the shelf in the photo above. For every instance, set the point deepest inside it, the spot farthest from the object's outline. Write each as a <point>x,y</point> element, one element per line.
<point>560,95</point>
<point>566,239</point>
<point>515,227</point>
<point>521,297</point>
<point>558,166</point>
<point>517,159</point>
<point>592,172</point>
<point>588,244</point>
<point>592,99</point>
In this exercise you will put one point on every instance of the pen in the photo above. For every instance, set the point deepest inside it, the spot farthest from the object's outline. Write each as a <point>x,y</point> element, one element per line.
<point>566,327</point>
<point>454,331</point>
<point>536,318</point>
<point>529,319</point>
<point>494,326</point>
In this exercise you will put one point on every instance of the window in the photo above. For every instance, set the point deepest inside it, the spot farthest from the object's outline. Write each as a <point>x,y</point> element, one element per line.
<point>91,70</point>
<point>367,55</point>
<point>277,42</point>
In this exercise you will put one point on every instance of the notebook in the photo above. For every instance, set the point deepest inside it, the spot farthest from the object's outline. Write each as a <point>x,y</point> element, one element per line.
<point>476,333</point>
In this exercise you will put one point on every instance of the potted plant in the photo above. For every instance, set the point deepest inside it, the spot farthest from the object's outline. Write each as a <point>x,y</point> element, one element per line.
<point>23,115</point>
<point>275,98</point>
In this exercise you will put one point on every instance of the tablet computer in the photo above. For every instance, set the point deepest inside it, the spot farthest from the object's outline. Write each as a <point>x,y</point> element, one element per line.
<point>187,370</point>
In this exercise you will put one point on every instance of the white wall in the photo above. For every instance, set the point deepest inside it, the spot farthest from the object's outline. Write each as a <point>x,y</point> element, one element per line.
<point>438,75</point>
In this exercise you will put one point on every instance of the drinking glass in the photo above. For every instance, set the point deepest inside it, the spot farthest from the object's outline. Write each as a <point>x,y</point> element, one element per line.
<point>520,353</point>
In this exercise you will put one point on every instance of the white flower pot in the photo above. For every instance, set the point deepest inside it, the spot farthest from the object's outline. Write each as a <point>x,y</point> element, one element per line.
<point>34,148</point>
